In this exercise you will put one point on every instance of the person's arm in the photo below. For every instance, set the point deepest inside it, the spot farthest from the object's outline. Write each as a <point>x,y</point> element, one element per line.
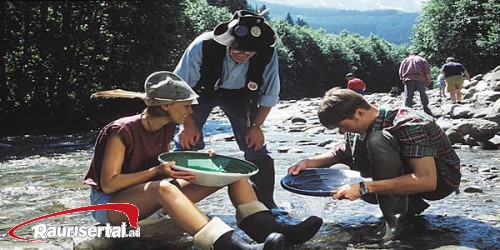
<point>112,178</point>
<point>423,179</point>
<point>427,72</point>
<point>188,69</point>
<point>189,134</point>
<point>325,159</point>
<point>466,73</point>
<point>401,70</point>
<point>442,70</point>
<point>269,97</point>
<point>255,136</point>
<point>270,89</point>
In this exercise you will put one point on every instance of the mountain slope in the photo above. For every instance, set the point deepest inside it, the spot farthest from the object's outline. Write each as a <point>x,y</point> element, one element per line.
<point>392,25</point>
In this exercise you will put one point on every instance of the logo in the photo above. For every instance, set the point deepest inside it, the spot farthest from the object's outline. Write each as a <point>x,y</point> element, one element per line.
<point>43,231</point>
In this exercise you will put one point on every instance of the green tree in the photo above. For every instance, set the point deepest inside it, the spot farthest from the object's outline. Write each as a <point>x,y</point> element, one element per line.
<point>289,18</point>
<point>204,17</point>
<point>56,53</point>
<point>232,5</point>
<point>301,22</point>
<point>466,29</point>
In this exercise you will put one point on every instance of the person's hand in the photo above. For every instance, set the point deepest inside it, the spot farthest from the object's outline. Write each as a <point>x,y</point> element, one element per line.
<point>211,152</point>
<point>188,136</point>
<point>255,138</point>
<point>297,167</point>
<point>167,170</point>
<point>349,191</point>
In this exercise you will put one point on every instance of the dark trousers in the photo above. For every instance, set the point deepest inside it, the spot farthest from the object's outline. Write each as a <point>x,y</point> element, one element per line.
<point>410,87</point>
<point>386,163</point>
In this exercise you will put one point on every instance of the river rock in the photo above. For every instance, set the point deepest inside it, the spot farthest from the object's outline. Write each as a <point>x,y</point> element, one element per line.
<point>478,129</point>
<point>155,234</point>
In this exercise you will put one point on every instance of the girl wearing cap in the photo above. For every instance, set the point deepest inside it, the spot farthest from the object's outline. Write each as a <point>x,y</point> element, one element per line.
<point>125,169</point>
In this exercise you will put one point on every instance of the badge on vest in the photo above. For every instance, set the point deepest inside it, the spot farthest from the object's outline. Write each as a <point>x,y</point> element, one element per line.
<point>252,86</point>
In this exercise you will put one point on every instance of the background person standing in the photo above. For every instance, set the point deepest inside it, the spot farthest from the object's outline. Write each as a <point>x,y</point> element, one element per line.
<point>454,76</point>
<point>415,73</point>
<point>441,84</point>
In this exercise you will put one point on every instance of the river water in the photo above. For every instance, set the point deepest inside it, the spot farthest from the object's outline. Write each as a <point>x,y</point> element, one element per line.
<point>43,174</point>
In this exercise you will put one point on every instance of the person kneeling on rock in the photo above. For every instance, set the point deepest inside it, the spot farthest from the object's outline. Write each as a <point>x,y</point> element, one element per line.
<point>125,169</point>
<point>407,155</point>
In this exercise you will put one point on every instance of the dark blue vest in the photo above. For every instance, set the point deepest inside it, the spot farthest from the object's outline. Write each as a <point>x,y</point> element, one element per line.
<point>211,71</point>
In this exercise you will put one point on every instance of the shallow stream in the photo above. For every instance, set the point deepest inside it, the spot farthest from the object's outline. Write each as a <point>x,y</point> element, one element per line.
<point>43,174</point>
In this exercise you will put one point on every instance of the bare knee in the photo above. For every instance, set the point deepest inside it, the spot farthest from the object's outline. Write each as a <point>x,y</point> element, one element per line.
<point>241,182</point>
<point>165,188</point>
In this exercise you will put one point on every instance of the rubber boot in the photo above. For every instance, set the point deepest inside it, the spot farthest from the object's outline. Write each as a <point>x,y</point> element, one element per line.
<point>386,164</point>
<point>263,184</point>
<point>394,208</point>
<point>416,205</point>
<point>218,235</point>
<point>258,222</point>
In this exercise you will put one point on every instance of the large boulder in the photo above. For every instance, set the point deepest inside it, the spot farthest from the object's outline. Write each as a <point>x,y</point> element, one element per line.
<point>478,129</point>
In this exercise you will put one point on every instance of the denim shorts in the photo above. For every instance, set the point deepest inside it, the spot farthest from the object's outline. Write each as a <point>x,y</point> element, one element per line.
<point>98,197</point>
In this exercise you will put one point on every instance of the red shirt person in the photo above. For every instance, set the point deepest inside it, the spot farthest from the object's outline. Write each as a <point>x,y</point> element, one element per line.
<point>355,84</point>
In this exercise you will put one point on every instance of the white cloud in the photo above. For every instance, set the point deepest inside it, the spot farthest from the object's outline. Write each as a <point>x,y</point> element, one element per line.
<point>404,5</point>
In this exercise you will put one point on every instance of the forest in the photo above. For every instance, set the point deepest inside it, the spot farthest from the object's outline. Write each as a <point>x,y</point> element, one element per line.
<point>395,26</point>
<point>55,54</point>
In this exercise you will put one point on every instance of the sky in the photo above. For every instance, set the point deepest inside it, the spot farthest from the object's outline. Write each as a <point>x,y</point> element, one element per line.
<point>403,5</point>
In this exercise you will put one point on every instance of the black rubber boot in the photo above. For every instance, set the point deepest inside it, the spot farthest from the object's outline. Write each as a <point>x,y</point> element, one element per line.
<point>263,181</point>
<point>216,234</point>
<point>386,163</point>
<point>394,208</point>
<point>416,205</point>
<point>263,184</point>
<point>259,225</point>
<point>231,241</point>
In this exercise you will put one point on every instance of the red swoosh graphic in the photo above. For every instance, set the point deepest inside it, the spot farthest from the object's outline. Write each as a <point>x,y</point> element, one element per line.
<point>130,210</point>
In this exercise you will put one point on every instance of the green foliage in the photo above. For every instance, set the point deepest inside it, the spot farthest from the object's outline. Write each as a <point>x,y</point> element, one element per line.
<point>312,61</point>
<point>205,17</point>
<point>391,25</point>
<point>57,53</point>
<point>466,29</point>
<point>232,5</point>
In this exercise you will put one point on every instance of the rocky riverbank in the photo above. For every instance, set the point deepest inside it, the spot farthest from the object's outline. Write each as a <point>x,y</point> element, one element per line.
<point>468,220</point>
<point>293,132</point>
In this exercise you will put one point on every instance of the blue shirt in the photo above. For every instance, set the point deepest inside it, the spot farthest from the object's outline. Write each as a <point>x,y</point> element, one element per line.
<point>233,74</point>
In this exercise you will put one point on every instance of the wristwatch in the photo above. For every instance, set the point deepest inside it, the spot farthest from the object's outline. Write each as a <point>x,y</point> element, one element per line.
<point>257,125</point>
<point>363,190</point>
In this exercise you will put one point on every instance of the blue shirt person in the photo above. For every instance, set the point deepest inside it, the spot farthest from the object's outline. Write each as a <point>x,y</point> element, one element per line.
<point>235,67</point>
